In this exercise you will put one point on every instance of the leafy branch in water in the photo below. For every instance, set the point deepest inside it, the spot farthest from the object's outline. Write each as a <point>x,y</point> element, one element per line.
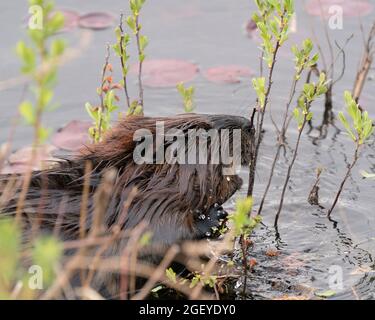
<point>360,130</point>
<point>302,115</point>
<point>142,42</point>
<point>272,20</point>
<point>39,62</point>
<point>303,60</point>
<point>102,114</point>
<point>187,95</point>
<point>243,225</point>
<point>121,49</point>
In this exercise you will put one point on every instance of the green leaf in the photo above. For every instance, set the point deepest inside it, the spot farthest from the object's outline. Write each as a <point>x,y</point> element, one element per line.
<point>10,242</point>
<point>57,47</point>
<point>325,294</point>
<point>55,23</point>
<point>345,122</point>
<point>171,275</point>
<point>27,112</point>
<point>367,175</point>
<point>143,42</point>
<point>93,113</point>
<point>43,134</point>
<point>46,253</point>
<point>27,56</point>
<point>46,96</point>
<point>131,23</point>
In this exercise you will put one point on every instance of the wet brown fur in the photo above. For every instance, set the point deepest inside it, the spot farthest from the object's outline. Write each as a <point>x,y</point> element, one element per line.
<point>167,195</point>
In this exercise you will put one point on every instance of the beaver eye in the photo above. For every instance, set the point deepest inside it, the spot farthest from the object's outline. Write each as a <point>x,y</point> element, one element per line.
<point>247,129</point>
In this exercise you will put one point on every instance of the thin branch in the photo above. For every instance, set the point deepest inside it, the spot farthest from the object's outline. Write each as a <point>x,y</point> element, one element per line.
<point>140,86</point>
<point>123,64</point>
<point>354,161</point>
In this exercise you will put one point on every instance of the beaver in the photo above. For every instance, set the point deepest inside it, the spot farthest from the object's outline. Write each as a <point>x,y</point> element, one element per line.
<point>177,201</point>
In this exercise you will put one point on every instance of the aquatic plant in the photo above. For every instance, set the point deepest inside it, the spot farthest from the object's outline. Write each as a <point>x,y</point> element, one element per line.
<point>26,278</point>
<point>303,59</point>
<point>187,94</point>
<point>101,114</point>
<point>302,114</point>
<point>272,19</point>
<point>121,49</point>
<point>40,59</point>
<point>359,129</point>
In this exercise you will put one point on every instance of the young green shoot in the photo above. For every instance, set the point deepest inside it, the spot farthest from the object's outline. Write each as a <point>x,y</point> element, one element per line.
<point>142,42</point>
<point>121,50</point>
<point>359,129</point>
<point>302,115</point>
<point>39,60</point>
<point>39,57</point>
<point>272,19</point>
<point>303,60</point>
<point>187,95</point>
<point>101,115</point>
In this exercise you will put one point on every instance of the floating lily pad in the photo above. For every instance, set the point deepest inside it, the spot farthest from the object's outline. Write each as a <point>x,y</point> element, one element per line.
<point>97,20</point>
<point>71,19</point>
<point>73,136</point>
<point>166,73</point>
<point>350,8</point>
<point>187,10</point>
<point>16,168</point>
<point>19,161</point>
<point>227,74</point>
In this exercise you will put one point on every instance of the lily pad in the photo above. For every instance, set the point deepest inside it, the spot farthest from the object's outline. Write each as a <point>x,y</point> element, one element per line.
<point>166,72</point>
<point>97,20</point>
<point>71,19</point>
<point>73,136</point>
<point>16,168</point>
<point>227,74</point>
<point>19,161</point>
<point>350,8</point>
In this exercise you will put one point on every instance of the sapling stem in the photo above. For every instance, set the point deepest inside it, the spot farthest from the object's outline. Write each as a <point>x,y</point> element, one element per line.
<point>102,106</point>
<point>348,172</point>
<point>123,63</point>
<point>140,54</point>
<point>302,61</point>
<point>302,114</point>
<point>274,31</point>
<point>365,65</point>
<point>281,139</point>
<point>289,172</point>
<point>258,138</point>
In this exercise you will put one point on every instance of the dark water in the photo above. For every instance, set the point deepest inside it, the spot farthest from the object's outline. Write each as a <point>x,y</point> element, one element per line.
<point>211,33</point>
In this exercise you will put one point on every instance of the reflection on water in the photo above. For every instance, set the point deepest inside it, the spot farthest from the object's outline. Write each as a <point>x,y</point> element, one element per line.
<point>212,33</point>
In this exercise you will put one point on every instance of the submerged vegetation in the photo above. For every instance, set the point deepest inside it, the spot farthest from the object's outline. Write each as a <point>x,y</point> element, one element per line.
<point>208,276</point>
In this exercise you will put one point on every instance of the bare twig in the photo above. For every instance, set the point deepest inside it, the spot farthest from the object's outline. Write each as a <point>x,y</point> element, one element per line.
<point>365,65</point>
<point>354,161</point>
<point>123,64</point>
